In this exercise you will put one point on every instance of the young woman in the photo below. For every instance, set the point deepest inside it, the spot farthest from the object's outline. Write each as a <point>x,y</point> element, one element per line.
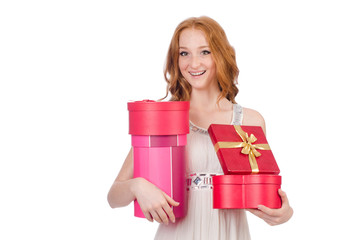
<point>200,68</point>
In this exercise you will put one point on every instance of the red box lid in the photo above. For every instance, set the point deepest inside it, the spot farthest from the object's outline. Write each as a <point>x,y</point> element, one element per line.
<point>149,117</point>
<point>247,179</point>
<point>232,160</point>
<point>151,105</point>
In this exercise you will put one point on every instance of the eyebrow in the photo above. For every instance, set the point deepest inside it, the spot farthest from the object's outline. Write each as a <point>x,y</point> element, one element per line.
<point>198,47</point>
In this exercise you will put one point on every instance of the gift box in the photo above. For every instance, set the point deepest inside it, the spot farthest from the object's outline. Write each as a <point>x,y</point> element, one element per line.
<point>242,149</point>
<point>246,191</point>
<point>251,172</point>
<point>158,132</point>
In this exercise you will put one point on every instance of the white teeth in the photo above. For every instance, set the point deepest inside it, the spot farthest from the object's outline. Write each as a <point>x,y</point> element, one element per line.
<point>198,73</point>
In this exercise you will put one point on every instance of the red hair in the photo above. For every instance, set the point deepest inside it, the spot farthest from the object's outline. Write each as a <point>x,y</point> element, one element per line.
<point>223,55</point>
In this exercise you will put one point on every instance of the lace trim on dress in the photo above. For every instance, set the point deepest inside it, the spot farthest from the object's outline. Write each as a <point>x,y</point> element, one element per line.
<point>238,115</point>
<point>236,120</point>
<point>195,128</point>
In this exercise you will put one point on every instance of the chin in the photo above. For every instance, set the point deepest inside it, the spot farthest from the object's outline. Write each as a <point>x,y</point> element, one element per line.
<point>200,84</point>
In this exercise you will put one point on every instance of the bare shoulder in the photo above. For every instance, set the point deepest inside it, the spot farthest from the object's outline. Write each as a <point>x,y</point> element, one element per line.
<point>253,118</point>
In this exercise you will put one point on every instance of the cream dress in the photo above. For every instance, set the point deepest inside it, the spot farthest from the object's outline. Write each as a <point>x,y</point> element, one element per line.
<point>202,222</point>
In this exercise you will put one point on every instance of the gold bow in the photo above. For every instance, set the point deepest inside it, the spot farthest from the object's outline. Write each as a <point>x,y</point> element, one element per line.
<point>247,147</point>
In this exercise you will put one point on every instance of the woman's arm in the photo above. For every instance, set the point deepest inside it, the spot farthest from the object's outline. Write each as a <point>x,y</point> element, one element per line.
<point>271,216</point>
<point>275,216</point>
<point>154,203</point>
<point>122,190</point>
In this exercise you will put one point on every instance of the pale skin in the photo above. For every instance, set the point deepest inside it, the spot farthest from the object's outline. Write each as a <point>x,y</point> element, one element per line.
<point>155,204</point>
<point>198,68</point>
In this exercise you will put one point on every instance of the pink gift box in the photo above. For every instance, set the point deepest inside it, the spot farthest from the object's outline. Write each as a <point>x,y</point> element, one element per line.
<point>163,166</point>
<point>159,140</point>
<point>157,156</point>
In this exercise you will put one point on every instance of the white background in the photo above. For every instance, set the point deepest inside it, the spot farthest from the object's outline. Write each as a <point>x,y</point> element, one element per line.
<point>68,68</point>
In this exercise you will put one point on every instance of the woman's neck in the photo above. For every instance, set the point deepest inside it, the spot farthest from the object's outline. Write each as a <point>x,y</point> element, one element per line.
<point>205,109</point>
<point>204,98</point>
<point>208,101</point>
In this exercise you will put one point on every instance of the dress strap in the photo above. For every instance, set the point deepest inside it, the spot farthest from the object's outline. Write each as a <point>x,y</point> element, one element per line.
<point>237,115</point>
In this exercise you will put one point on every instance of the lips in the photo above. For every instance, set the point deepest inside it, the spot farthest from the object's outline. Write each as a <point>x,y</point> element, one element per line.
<point>197,73</point>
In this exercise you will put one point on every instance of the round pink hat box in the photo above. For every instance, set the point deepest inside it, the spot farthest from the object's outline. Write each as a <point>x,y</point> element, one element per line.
<point>159,132</point>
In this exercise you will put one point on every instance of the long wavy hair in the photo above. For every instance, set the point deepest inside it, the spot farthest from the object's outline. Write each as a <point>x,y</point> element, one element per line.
<point>222,53</point>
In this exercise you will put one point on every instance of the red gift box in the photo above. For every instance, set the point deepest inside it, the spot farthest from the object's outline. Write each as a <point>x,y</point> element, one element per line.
<point>246,191</point>
<point>242,149</point>
<point>251,172</point>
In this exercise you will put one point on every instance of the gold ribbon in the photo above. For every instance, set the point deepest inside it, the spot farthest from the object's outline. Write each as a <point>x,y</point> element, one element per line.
<point>247,147</point>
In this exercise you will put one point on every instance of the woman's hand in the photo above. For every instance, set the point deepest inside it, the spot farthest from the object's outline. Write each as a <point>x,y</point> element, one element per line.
<point>275,216</point>
<point>154,203</point>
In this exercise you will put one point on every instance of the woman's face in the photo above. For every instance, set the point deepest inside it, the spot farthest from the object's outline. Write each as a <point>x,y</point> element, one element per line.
<point>195,61</point>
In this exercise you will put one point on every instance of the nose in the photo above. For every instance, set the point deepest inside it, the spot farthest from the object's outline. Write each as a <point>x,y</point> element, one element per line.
<point>195,62</point>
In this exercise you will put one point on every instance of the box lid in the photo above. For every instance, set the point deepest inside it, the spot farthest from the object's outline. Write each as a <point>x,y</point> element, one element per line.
<point>149,117</point>
<point>228,141</point>
<point>151,105</point>
<point>247,179</point>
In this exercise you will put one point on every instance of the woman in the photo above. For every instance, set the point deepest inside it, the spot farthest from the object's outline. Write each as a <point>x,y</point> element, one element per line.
<point>200,68</point>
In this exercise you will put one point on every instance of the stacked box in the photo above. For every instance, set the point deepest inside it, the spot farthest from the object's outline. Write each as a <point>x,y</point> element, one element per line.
<point>158,132</point>
<point>251,172</point>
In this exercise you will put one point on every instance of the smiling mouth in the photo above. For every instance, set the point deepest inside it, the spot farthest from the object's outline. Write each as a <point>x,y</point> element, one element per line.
<point>197,73</point>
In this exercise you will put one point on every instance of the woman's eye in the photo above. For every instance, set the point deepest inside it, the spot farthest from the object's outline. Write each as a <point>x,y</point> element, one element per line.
<point>205,52</point>
<point>183,54</point>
